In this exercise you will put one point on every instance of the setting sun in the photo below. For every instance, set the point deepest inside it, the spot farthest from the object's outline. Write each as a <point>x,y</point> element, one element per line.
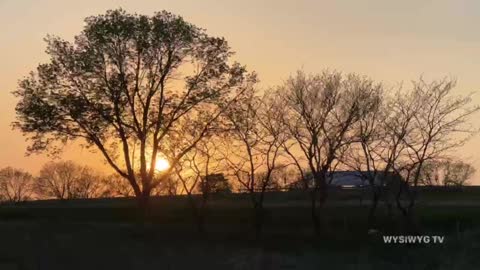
<point>162,165</point>
<point>178,132</point>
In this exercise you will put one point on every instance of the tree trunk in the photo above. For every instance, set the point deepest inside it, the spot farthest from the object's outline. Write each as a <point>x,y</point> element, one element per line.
<point>199,219</point>
<point>313,212</point>
<point>389,210</point>
<point>373,208</point>
<point>143,201</point>
<point>258,220</point>
<point>410,218</point>
<point>407,211</point>
<point>320,192</point>
<point>198,214</point>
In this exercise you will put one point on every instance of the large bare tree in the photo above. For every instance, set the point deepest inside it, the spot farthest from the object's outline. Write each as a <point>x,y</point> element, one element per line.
<point>322,109</point>
<point>254,145</point>
<point>130,83</point>
<point>438,124</point>
<point>405,136</point>
<point>364,154</point>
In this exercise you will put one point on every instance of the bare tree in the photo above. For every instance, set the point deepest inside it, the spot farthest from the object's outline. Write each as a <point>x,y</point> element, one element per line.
<point>170,186</point>
<point>457,173</point>
<point>448,172</point>
<point>67,180</point>
<point>285,176</point>
<point>15,185</point>
<point>130,81</point>
<point>365,153</point>
<point>254,147</point>
<point>115,186</point>
<point>214,183</point>
<point>439,124</point>
<point>430,175</point>
<point>322,110</point>
<point>194,173</point>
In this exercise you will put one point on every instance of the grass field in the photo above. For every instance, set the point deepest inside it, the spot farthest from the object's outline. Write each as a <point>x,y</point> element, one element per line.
<point>106,234</point>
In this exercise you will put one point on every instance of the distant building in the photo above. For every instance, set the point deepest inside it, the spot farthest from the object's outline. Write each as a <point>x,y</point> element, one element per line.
<point>349,179</point>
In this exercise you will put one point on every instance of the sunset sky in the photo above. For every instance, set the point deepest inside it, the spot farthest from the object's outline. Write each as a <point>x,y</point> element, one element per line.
<point>390,41</point>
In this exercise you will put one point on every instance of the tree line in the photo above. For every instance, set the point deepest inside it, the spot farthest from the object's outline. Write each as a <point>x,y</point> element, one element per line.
<point>67,180</point>
<point>137,88</point>
<point>62,180</point>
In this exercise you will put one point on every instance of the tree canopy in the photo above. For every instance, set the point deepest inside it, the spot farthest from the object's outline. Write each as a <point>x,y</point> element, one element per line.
<point>133,87</point>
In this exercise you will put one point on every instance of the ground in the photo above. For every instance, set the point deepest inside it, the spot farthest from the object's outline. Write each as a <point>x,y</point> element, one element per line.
<point>107,234</point>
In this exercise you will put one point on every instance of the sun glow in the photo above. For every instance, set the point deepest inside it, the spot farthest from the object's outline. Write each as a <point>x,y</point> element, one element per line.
<point>162,165</point>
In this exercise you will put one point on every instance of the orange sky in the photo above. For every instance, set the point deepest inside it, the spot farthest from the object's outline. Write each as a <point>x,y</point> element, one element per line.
<point>390,41</point>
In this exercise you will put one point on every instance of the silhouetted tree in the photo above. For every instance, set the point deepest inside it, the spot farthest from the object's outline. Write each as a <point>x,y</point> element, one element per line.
<point>115,186</point>
<point>214,183</point>
<point>364,154</point>
<point>15,185</point>
<point>322,110</point>
<point>286,177</point>
<point>430,175</point>
<point>254,145</point>
<point>457,173</point>
<point>128,82</point>
<point>67,180</point>
<point>449,172</point>
<point>200,171</point>
<point>438,123</point>
<point>170,186</point>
